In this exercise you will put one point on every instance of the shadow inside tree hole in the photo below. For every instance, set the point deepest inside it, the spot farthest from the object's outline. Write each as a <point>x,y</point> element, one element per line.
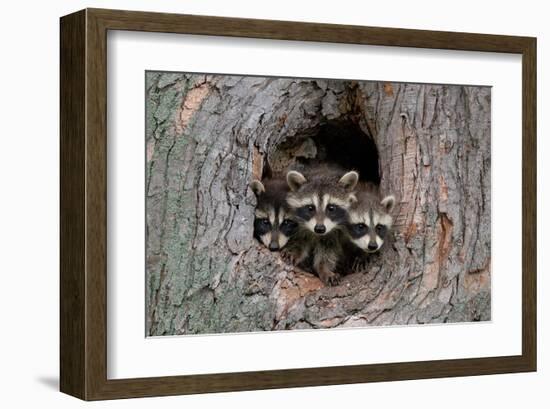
<point>341,143</point>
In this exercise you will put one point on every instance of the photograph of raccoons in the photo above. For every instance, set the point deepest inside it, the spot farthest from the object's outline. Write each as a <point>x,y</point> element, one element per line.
<point>287,203</point>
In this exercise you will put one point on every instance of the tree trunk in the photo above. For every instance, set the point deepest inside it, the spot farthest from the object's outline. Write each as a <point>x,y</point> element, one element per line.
<point>208,136</point>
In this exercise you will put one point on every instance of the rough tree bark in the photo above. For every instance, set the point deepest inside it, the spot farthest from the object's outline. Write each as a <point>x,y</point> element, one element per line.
<point>208,136</point>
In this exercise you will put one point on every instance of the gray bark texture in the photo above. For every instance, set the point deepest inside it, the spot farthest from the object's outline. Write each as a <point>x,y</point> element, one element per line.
<point>208,136</point>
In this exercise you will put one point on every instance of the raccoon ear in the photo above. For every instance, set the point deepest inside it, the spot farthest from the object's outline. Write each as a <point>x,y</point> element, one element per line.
<point>295,180</point>
<point>257,187</point>
<point>388,203</point>
<point>349,180</point>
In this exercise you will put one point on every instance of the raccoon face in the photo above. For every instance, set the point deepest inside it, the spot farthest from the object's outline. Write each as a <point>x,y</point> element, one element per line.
<point>320,214</point>
<point>318,205</point>
<point>273,225</point>
<point>369,225</point>
<point>273,228</point>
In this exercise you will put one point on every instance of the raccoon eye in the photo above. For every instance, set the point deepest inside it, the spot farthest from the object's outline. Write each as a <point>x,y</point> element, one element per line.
<point>380,230</point>
<point>331,208</point>
<point>265,222</point>
<point>360,227</point>
<point>311,208</point>
<point>288,223</point>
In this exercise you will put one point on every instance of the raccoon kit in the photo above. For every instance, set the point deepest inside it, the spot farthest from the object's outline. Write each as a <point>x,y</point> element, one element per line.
<point>273,225</point>
<point>322,218</point>
<point>370,218</point>
<point>319,200</point>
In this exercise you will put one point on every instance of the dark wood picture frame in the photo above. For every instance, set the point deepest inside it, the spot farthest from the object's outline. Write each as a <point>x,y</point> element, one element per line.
<point>83,75</point>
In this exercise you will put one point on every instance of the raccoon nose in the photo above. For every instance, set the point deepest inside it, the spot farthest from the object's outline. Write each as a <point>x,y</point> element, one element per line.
<point>273,246</point>
<point>319,228</point>
<point>372,246</point>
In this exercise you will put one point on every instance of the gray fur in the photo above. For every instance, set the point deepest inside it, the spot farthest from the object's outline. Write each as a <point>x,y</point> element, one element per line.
<point>322,179</point>
<point>322,251</point>
<point>374,212</point>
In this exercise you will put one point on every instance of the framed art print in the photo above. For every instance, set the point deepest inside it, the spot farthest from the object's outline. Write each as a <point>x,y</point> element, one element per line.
<point>252,204</point>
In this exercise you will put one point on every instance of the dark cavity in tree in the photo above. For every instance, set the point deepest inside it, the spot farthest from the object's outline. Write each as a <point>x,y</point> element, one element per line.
<point>338,142</point>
